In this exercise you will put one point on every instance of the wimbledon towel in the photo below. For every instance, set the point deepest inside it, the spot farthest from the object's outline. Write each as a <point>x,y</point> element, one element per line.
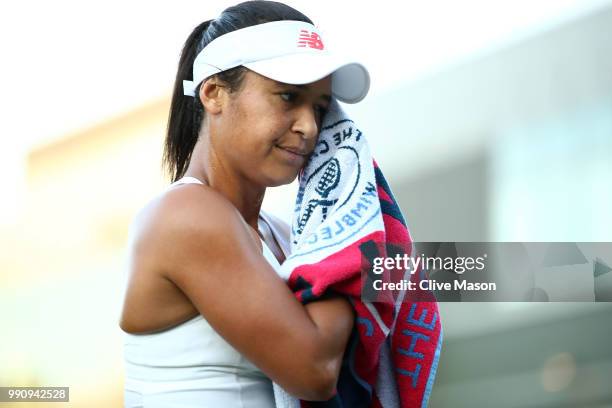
<point>345,215</point>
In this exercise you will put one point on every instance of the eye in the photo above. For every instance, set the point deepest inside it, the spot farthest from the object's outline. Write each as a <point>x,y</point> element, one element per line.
<point>320,111</point>
<point>288,96</point>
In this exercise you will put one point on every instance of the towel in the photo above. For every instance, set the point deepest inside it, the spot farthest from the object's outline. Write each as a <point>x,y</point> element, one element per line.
<point>345,215</point>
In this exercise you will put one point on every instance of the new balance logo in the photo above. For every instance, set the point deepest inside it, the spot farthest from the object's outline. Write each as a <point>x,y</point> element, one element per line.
<point>309,39</point>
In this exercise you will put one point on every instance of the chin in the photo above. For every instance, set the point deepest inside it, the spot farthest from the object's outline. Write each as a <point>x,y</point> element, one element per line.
<point>279,180</point>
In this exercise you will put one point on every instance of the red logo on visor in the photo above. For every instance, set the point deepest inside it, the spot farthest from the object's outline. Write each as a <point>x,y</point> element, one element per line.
<point>310,39</point>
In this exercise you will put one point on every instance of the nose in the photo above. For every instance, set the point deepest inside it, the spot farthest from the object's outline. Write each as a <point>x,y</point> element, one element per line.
<point>306,122</point>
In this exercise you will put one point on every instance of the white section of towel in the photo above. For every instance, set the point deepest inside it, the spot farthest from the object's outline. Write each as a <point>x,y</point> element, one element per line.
<point>337,203</point>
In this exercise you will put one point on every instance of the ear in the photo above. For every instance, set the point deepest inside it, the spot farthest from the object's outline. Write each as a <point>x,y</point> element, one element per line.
<point>212,94</point>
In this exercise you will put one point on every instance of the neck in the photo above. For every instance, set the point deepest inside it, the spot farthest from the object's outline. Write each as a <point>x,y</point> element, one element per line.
<point>207,167</point>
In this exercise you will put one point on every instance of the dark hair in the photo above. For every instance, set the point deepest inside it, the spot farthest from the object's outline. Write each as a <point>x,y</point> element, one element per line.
<point>186,112</point>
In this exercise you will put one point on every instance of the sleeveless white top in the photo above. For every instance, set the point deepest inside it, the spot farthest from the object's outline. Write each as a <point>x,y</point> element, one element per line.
<point>191,365</point>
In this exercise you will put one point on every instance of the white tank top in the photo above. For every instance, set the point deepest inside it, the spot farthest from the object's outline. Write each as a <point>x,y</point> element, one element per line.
<point>191,365</point>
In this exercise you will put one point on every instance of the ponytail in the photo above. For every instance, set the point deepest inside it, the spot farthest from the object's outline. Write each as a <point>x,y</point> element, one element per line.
<point>186,113</point>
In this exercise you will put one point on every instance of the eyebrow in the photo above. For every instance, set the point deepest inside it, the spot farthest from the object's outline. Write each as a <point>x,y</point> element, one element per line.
<point>304,86</point>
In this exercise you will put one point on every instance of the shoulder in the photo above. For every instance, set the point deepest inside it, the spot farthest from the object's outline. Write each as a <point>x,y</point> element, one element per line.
<point>179,216</point>
<point>186,205</point>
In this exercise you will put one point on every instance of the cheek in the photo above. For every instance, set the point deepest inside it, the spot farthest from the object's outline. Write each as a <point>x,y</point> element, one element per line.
<point>250,140</point>
<point>254,125</point>
<point>265,127</point>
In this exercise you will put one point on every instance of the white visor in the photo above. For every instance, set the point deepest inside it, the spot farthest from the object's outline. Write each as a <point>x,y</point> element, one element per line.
<point>291,52</point>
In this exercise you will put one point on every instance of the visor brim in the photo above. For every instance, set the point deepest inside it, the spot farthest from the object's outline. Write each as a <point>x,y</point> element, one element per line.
<point>350,79</point>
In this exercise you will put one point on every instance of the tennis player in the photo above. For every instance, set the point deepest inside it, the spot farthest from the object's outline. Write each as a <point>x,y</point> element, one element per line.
<point>207,320</point>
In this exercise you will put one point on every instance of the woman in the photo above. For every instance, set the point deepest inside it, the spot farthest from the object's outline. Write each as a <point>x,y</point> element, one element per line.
<point>208,321</point>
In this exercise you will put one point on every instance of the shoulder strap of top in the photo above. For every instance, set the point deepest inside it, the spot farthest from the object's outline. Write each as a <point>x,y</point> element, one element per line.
<point>279,229</point>
<point>186,180</point>
<point>269,255</point>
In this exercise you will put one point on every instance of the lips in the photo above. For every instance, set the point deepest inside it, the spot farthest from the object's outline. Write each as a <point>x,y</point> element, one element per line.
<point>293,155</point>
<point>295,150</point>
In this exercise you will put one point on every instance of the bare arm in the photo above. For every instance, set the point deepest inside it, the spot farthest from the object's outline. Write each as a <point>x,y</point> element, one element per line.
<point>201,244</point>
